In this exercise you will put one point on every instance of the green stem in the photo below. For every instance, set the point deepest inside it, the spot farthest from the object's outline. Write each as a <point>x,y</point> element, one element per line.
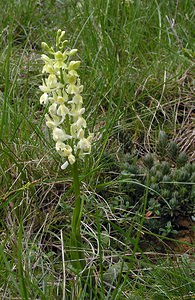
<point>77,254</point>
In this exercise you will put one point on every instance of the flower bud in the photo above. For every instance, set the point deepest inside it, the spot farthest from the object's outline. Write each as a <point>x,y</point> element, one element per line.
<point>74,65</point>
<point>72,52</point>
<point>65,165</point>
<point>71,159</point>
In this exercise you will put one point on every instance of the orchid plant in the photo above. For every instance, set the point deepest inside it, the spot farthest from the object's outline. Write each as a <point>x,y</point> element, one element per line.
<point>62,90</point>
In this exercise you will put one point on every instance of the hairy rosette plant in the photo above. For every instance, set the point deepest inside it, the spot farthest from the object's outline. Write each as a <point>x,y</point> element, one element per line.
<point>62,90</point>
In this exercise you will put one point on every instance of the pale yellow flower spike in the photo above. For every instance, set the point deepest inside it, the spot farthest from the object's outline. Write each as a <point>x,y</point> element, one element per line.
<point>62,92</point>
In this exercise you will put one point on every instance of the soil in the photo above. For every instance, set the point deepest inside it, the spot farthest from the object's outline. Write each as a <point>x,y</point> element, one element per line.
<point>180,243</point>
<point>185,238</point>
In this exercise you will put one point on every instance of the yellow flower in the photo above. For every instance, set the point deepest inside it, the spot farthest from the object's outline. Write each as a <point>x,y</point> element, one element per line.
<point>44,98</point>
<point>59,59</point>
<point>54,121</point>
<point>84,145</point>
<point>62,110</point>
<point>58,134</point>
<point>71,159</point>
<point>62,89</point>
<point>53,109</point>
<point>77,100</point>
<point>48,67</point>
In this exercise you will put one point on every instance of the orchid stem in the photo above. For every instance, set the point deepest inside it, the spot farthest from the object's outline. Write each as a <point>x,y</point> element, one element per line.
<point>77,253</point>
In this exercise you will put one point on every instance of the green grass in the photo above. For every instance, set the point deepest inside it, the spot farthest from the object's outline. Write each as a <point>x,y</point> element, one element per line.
<point>138,79</point>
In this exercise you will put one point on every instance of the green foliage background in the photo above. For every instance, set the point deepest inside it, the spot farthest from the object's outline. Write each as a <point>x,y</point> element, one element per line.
<point>137,70</point>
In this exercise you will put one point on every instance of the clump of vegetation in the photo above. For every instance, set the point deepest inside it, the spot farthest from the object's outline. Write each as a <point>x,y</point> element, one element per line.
<point>165,180</point>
